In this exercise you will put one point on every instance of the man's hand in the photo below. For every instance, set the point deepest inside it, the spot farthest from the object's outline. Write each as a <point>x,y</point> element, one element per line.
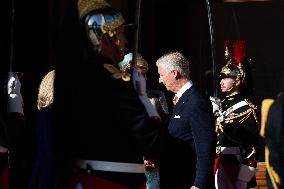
<point>216,103</point>
<point>150,164</point>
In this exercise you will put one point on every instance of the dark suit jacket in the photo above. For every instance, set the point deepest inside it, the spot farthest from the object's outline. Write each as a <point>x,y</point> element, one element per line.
<point>190,144</point>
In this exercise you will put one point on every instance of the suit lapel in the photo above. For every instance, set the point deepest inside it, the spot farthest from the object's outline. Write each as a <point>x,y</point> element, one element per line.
<point>183,99</point>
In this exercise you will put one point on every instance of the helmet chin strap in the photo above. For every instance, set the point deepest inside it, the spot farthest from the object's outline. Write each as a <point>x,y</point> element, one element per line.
<point>229,91</point>
<point>118,48</point>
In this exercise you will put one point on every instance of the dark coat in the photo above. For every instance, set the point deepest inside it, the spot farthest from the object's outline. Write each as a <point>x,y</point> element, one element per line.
<point>274,135</point>
<point>43,173</point>
<point>108,122</point>
<point>189,144</point>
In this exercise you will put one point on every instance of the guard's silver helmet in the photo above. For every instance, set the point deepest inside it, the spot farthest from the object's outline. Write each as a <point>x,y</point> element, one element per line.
<point>99,18</point>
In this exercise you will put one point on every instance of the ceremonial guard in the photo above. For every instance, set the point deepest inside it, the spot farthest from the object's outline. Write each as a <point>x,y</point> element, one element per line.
<point>237,124</point>
<point>111,129</point>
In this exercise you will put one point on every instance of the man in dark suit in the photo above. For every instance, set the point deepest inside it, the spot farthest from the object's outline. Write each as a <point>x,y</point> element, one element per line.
<point>189,146</point>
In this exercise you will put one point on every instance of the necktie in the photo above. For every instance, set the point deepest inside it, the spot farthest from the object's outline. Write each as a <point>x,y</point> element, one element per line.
<point>175,99</point>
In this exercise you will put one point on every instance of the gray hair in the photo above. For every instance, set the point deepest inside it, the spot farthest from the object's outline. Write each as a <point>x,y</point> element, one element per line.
<point>175,61</point>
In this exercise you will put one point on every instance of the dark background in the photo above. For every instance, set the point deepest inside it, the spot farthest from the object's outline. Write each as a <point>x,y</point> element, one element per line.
<point>45,37</point>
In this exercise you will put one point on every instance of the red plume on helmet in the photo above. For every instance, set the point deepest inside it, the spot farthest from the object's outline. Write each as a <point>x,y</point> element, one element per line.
<point>234,55</point>
<point>238,52</point>
<point>238,66</point>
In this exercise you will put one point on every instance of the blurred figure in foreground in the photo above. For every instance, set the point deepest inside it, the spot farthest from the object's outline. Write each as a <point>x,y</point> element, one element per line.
<point>110,129</point>
<point>274,149</point>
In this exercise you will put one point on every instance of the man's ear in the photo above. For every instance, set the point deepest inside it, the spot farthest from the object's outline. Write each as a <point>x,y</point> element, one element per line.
<point>237,82</point>
<point>175,74</point>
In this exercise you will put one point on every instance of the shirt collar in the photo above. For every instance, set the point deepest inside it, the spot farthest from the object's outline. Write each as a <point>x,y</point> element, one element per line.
<point>184,88</point>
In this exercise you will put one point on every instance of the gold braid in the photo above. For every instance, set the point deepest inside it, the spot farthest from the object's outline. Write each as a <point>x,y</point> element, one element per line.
<point>246,113</point>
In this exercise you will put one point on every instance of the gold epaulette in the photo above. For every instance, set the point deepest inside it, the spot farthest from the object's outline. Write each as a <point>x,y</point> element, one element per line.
<point>250,104</point>
<point>254,107</point>
<point>235,116</point>
<point>116,73</point>
<point>244,114</point>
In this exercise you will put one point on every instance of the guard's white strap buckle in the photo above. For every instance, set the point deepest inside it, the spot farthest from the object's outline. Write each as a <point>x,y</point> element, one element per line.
<point>111,166</point>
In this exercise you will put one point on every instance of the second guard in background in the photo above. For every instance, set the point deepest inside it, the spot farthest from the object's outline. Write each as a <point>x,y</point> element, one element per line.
<point>237,124</point>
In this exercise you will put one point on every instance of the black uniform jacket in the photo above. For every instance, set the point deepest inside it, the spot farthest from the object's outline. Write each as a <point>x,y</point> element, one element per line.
<point>105,120</point>
<point>240,127</point>
<point>111,122</point>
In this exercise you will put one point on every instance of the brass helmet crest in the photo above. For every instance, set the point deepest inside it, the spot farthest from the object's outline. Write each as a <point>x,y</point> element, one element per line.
<point>234,55</point>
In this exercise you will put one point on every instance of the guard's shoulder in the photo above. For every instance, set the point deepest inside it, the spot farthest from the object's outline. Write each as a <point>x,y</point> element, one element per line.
<point>250,104</point>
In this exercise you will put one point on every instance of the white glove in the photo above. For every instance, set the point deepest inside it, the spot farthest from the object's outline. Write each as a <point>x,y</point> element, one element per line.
<point>159,106</point>
<point>246,173</point>
<point>15,100</point>
<point>150,108</point>
<point>216,103</point>
<point>153,102</point>
<point>3,149</point>
<point>139,82</point>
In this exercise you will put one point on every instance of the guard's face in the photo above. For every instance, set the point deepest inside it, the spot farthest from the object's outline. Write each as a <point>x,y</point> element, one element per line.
<point>114,47</point>
<point>121,41</point>
<point>168,79</point>
<point>227,84</point>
